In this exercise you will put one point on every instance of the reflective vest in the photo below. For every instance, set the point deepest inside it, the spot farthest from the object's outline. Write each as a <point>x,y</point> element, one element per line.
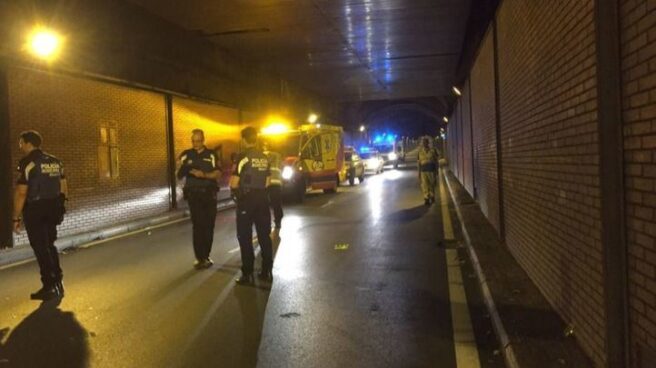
<point>253,170</point>
<point>428,159</point>
<point>41,173</point>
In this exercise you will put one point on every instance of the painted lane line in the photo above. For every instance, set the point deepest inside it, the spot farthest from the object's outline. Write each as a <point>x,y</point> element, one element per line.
<point>329,203</point>
<point>464,340</point>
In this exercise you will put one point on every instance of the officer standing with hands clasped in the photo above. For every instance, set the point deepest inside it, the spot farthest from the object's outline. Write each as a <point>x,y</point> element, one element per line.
<point>428,163</point>
<point>200,167</point>
<point>248,184</point>
<point>39,196</point>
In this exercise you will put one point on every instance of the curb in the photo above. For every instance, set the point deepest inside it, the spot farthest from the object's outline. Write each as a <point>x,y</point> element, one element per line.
<point>24,254</point>
<point>507,348</point>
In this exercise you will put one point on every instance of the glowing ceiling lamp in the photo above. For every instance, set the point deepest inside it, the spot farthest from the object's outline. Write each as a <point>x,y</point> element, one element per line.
<point>44,43</point>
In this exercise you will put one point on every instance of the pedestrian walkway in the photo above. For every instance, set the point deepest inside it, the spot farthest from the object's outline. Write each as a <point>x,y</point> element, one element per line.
<point>532,334</point>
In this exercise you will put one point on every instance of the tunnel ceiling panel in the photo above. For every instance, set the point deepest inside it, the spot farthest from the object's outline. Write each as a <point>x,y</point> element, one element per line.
<point>348,50</point>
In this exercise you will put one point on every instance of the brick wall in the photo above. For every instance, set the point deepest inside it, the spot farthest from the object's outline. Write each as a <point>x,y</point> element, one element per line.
<point>119,39</point>
<point>548,107</point>
<point>467,163</point>
<point>484,131</point>
<point>638,47</point>
<point>69,113</point>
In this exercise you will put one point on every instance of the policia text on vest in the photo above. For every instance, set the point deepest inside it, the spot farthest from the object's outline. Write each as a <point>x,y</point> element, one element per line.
<point>200,168</point>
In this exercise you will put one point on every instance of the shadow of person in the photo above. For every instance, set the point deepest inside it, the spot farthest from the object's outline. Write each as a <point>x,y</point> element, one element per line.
<point>252,305</point>
<point>48,337</point>
<point>275,244</point>
<point>407,215</point>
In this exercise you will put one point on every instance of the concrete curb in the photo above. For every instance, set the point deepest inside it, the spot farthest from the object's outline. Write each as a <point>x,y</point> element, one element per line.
<point>24,254</point>
<point>507,348</point>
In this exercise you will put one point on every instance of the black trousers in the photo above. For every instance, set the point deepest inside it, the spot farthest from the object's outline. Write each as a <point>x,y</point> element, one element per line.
<point>40,218</point>
<point>275,201</point>
<point>253,209</point>
<point>202,205</point>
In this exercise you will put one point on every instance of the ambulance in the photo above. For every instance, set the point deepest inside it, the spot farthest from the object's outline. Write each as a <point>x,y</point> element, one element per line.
<point>312,157</point>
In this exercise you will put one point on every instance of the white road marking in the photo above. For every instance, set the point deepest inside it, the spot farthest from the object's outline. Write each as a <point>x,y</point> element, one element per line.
<point>464,340</point>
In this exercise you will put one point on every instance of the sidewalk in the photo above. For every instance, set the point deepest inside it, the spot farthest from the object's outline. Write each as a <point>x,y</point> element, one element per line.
<point>531,333</point>
<point>84,240</point>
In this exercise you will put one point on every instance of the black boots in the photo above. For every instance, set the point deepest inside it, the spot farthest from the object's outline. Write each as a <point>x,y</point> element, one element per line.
<point>203,264</point>
<point>265,275</point>
<point>47,293</point>
<point>246,279</point>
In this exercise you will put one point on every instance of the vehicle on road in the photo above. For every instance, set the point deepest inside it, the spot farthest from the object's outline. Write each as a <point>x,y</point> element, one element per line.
<point>313,157</point>
<point>373,161</point>
<point>389,149</point>
<point>353,167</point>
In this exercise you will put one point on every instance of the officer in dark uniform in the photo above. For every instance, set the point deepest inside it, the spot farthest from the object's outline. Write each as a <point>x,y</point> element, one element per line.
<point>200,167</point>
<point>248,183</point>
<point>275,187</point>
<point>39,196</point>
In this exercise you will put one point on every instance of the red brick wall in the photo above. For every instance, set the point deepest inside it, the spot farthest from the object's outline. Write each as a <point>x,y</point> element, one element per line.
<point>548,107</point>
<point>69,112</point>
<point>467,163</point>
<point>484,137</point>
<point>220,124</point>
<point>638,45</point>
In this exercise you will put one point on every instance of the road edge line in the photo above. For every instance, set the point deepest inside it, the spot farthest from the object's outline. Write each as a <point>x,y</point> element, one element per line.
<point>508,351</point>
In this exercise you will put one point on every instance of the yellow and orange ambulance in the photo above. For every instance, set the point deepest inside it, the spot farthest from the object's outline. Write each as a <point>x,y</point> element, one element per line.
<point>312,156</point>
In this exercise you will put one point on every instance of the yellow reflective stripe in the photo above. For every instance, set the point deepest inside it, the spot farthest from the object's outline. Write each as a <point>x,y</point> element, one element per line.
<point>28,168</point>
<point>243,162</point>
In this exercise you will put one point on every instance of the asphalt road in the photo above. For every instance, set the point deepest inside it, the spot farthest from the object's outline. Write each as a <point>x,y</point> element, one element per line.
<point>362,279</point>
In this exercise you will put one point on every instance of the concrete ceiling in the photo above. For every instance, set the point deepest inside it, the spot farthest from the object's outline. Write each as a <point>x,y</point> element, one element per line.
<point>346,50</point>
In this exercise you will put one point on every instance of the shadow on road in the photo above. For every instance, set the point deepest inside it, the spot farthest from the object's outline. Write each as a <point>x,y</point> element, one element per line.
<point>48,337</point>
<point>407,215</point>
<point>252,304</point>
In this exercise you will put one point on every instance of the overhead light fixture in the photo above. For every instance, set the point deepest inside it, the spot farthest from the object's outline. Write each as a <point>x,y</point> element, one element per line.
<point>275,128</point>
<point>44,43</point>
<point>445,119</point>
<point>313,118</point>
<point>362,128</point>
<point>456,91</point>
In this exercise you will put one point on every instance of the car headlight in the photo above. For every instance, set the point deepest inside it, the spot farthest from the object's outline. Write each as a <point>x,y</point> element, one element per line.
<point>287,172</point>
<point>393,156</point>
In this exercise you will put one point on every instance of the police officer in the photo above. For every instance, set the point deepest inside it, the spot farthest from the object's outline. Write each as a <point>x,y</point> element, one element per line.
<point>248,184</point>
<point>274,190</point>
<point>200,167</point>
<point>428,163</point>
<point>39,196</point>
